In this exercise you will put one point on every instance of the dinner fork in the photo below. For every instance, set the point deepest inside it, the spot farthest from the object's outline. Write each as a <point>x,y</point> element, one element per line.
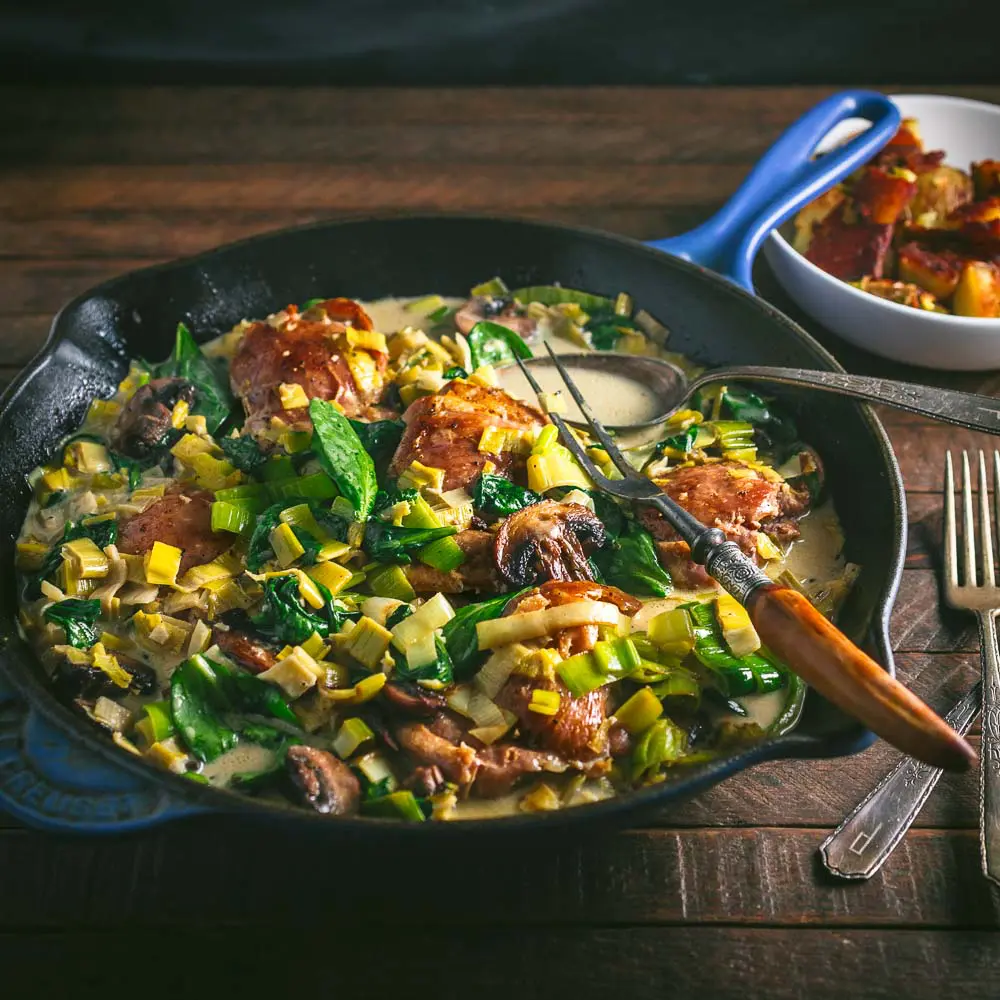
<point>984,599</point>
<point>784,619</point>
<point>859,847</point>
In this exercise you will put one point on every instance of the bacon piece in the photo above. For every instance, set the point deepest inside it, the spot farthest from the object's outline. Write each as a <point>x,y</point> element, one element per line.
<point>881,196</point>
<point>849,250</point>
<point>311,354</point>
<point>443,431</point>
<point>183,520</point>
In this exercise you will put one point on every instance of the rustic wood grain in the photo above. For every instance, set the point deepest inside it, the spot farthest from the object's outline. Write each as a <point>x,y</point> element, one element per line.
<point>750,876</point>
<point>642,963</point>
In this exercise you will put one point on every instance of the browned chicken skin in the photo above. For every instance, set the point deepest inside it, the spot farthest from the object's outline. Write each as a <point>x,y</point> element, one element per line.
<point>477,573</point>
<point>183,520</point>
<point>310,353</point>
<point>443,431</point>
<point>741,505</point>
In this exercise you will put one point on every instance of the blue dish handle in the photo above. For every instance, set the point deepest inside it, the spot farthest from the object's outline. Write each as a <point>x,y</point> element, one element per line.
<point>784,180</point>
<point>50,781</point>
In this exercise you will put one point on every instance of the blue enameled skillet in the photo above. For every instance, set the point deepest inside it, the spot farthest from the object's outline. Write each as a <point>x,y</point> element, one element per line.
<point>58,771</point>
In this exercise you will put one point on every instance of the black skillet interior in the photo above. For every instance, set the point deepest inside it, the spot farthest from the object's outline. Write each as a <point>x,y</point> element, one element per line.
<point>710,320</point>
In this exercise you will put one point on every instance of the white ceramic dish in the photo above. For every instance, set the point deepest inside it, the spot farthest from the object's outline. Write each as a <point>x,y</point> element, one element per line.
<point>967,131</point>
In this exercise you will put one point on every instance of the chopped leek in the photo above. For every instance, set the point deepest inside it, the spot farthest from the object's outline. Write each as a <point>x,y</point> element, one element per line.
<point>661,743</point>
<point>391,582</point>
<point>231,517</point>
<point>287,547</point>
<point>162,564</point>
<point>432,614</point>
<point>532,624</point>
<point>737,629</point>
<point>86,559</point>
<point>544,702</point>
<point>672,632</point>
<point>353,734</point>
<point>396,805</point>
<point>640,711</point>
<point>367,642</point>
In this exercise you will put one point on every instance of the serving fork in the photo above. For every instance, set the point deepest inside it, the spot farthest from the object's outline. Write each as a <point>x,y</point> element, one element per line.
<point>784,619</point>
<point>866,838</point>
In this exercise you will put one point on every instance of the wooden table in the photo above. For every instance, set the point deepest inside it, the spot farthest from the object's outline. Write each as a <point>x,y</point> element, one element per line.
<point>721,897</point>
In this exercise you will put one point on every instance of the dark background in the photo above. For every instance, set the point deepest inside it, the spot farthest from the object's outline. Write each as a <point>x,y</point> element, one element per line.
<point>502,42</point>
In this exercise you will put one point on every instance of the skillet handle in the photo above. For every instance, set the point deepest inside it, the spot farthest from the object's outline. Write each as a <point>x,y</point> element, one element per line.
<point>785,179</point>
<point>49,781</point>
<point>828,661</point>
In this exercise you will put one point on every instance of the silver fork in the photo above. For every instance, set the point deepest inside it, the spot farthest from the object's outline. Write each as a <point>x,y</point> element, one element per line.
<point>866,838</point>
<point>983,599</point>
<point>785,620</point>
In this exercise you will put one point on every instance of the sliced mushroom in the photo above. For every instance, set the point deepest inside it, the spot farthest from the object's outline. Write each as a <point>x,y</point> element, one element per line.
<point>326,782</point>
<point>425,780</point>
<point>146,418</point>
<point>413,700</point>
<point>504,311</point>
<point>250,652</point>
<point>546,542</point>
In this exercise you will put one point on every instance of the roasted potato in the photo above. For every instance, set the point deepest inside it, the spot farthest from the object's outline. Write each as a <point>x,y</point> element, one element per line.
<point>978,291</point>
<point>938,193</point>
<point>986,178</point>
<point>813,214</point>
<point>881,195</point>
<point>902,292</point>
<point>938,273</point>
<point>850,250</point>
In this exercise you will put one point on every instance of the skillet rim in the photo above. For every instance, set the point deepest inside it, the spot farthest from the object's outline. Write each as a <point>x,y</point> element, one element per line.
<point>196,798</point>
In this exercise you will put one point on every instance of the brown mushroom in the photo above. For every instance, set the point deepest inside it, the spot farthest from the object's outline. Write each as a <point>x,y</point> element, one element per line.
<point>326,782</point>
<point>413,700</point>
<point>504,311</point>
<point>146,418</point>
<point>545,542</point>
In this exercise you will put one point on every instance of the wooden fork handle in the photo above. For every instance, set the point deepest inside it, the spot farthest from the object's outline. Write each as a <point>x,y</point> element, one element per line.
<point>829,662</point>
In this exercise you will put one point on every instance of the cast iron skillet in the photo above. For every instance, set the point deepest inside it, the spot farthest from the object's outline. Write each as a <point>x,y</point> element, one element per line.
<point>58,771</point>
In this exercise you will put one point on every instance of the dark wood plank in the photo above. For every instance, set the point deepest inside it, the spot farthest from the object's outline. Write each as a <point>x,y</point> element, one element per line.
<point>166,232</point>
<point>336,958</point>
<point>750,876</point>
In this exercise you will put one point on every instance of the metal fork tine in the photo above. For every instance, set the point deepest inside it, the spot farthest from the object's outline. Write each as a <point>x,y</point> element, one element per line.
<point>985,533</point>
<point>566,434</point>
<point>968,525</point>
<point>596,426</point>
<point>950,528</point>
<point>996,486</point>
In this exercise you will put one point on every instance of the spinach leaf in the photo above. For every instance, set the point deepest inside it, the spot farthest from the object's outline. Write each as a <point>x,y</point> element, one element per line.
<point>440,669</point>
<point>629,562</point>
<point>343,457</point>
<point>494,344</point>
<point>259,550</point>
<point>197,706</point>
<point>209,703</point>
<point>460,633</point>
<point>243,452</point>
<point>213,400</point>
<point>380,438</point>
<point>283,618</point>
<point>387,498</point>
<point>496,496</point>
<point>386,543</point>
<point>77,619</point>
<point>608,512</point>
<point>683,442</point>
<point>605,329</point>
<point>455,371</point>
